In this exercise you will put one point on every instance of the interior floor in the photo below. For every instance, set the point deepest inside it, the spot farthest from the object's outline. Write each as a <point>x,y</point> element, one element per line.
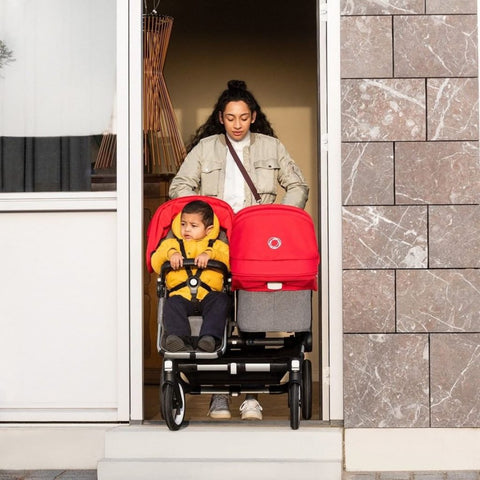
<point>274,406</point>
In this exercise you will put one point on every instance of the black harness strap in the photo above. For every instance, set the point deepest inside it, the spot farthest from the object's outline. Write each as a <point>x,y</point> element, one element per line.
<point>193,281</point>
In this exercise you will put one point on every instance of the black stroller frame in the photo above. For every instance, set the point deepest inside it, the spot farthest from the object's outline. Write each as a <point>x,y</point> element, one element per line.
<point>241,365</point>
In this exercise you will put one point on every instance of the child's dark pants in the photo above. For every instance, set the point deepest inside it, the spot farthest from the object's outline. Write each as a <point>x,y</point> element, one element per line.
<point>214,309</point>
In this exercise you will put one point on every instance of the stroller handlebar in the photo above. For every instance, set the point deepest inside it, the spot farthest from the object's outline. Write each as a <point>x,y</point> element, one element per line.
<point>190,262</point>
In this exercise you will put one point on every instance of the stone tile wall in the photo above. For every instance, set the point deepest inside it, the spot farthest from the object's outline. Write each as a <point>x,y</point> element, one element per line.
<point>411,215</point>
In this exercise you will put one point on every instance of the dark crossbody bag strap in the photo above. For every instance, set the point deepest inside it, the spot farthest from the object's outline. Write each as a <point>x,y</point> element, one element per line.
<point>245,174</point>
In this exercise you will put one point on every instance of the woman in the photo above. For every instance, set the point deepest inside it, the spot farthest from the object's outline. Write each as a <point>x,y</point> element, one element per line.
<point>210,169</point>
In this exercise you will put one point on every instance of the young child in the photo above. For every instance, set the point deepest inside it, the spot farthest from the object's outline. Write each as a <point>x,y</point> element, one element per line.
<point>196,229</point>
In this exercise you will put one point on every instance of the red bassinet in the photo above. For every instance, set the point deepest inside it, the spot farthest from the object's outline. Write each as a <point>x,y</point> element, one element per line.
<point>162,219</point>
<point>273,247</point>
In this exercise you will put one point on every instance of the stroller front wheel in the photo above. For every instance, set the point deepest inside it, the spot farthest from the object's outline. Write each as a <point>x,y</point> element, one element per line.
<point>173,405</point>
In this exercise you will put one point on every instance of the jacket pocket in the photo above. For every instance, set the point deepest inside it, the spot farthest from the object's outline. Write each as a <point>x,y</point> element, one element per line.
<point>210,178</point>
<point>266,173</point>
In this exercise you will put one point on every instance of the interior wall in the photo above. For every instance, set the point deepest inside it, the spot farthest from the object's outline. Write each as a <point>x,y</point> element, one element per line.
<point>270,45</point>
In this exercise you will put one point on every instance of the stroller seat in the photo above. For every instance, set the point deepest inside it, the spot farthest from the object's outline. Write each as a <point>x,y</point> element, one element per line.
<point>160,229</point>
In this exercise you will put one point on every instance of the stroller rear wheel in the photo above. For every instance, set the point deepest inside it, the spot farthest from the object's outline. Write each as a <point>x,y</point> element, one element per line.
<point>294,402</point>
<point>173,405</point>
<point>306,399</point>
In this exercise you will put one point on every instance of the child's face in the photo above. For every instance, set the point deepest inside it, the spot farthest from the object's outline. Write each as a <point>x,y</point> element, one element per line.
<point>192,227</point>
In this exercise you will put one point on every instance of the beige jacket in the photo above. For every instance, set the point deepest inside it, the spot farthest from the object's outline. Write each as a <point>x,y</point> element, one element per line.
<point>266,161</point>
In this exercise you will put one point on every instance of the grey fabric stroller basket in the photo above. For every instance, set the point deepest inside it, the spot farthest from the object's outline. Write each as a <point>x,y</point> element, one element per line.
<point>276,311</point>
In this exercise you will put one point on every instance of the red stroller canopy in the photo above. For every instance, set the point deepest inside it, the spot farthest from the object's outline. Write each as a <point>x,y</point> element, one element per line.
<point>273,243</point>
<point>162,219</point>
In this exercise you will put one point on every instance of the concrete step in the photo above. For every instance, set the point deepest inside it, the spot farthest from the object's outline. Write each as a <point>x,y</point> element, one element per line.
<point>219,451</point>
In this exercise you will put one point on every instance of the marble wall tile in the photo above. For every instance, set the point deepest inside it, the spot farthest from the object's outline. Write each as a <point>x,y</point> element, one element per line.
<point>386,380</point>
<point>411,221</point>
<point>367,173</point>
<point>384,237</point>
<point>450,6</point>
<point>368,301</point>
<point>435,45</point>
<point>383,110</point>
<point>452,109</point>
<point>381,7</point>
<point>437,172</point>
<point>438,300</point>
<point>455,380</point>
<point>366,47</point>
<point>454,236</point>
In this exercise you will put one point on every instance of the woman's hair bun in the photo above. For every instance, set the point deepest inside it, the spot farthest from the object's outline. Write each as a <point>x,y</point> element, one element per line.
<point>237,85</point>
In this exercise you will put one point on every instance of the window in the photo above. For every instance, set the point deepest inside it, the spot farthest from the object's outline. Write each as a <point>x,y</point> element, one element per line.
<point>57,85</point>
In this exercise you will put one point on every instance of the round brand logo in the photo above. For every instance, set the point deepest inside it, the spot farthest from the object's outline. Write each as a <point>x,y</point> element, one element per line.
<point>274,243</point>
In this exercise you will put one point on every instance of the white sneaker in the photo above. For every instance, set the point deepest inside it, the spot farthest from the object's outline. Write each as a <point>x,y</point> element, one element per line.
<point>219,408</point>
<point>251,410</point>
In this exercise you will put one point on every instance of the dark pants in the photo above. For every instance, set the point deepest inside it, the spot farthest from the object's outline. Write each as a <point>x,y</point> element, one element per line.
<point>214,309</point>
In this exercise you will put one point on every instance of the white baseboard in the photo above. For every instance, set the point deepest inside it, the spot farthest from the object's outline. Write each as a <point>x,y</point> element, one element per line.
<point>47,447</point>
<point>412,449</point>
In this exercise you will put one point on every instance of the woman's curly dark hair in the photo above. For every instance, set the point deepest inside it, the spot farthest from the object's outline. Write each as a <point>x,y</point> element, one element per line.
<point>236,91</point>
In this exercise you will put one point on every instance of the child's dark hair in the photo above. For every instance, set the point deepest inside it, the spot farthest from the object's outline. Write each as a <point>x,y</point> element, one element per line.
<point>202,208</point>
<point>236,91</point>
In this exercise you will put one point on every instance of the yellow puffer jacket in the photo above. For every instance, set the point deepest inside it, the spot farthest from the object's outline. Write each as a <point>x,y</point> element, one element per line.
<point>218,251</point>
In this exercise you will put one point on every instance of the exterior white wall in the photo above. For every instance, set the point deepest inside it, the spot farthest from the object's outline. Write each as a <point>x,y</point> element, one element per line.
<point>414,449</point>
<point>58,316</point>
<point>65,298</point>
<point>52,447</point>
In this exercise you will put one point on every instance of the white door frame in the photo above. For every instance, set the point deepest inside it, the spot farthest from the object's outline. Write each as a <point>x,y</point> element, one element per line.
<point>132,83</point>
<point>330,209</point>
<point>330,195</point>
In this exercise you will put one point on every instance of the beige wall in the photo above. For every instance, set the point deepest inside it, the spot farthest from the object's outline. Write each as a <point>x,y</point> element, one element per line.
<point>269,45</point>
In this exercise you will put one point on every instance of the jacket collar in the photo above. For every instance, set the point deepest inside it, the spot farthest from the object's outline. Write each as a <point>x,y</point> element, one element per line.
<point>253,137</point>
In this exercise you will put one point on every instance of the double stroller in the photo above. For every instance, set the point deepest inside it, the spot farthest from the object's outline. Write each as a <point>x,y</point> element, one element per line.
<point>274,266</point>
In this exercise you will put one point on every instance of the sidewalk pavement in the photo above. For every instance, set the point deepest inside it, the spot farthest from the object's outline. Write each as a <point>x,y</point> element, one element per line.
<point>92,475</point>
<point>48,475</point>
<point>452,475</point>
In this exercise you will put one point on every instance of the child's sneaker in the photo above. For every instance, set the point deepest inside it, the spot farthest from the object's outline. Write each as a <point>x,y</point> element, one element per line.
<point>251,410</point>
<point>206,343</point>
<point>219,408</point>
<point>174,343</point>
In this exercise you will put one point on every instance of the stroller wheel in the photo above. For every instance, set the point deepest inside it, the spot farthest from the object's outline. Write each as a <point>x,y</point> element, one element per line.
<point>294,402</point>
<point>173,405</point>
<point>161,398</point>
<point>306,398</point>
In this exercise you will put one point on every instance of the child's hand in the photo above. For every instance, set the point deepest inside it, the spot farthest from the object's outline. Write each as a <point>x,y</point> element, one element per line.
<point>176,260</point>
<point>202,260</point>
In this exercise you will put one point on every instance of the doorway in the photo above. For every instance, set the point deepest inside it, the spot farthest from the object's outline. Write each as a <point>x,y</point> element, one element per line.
<point>272,46</point>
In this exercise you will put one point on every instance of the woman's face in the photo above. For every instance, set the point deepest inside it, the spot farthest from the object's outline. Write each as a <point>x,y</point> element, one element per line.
<point>237,119</point>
